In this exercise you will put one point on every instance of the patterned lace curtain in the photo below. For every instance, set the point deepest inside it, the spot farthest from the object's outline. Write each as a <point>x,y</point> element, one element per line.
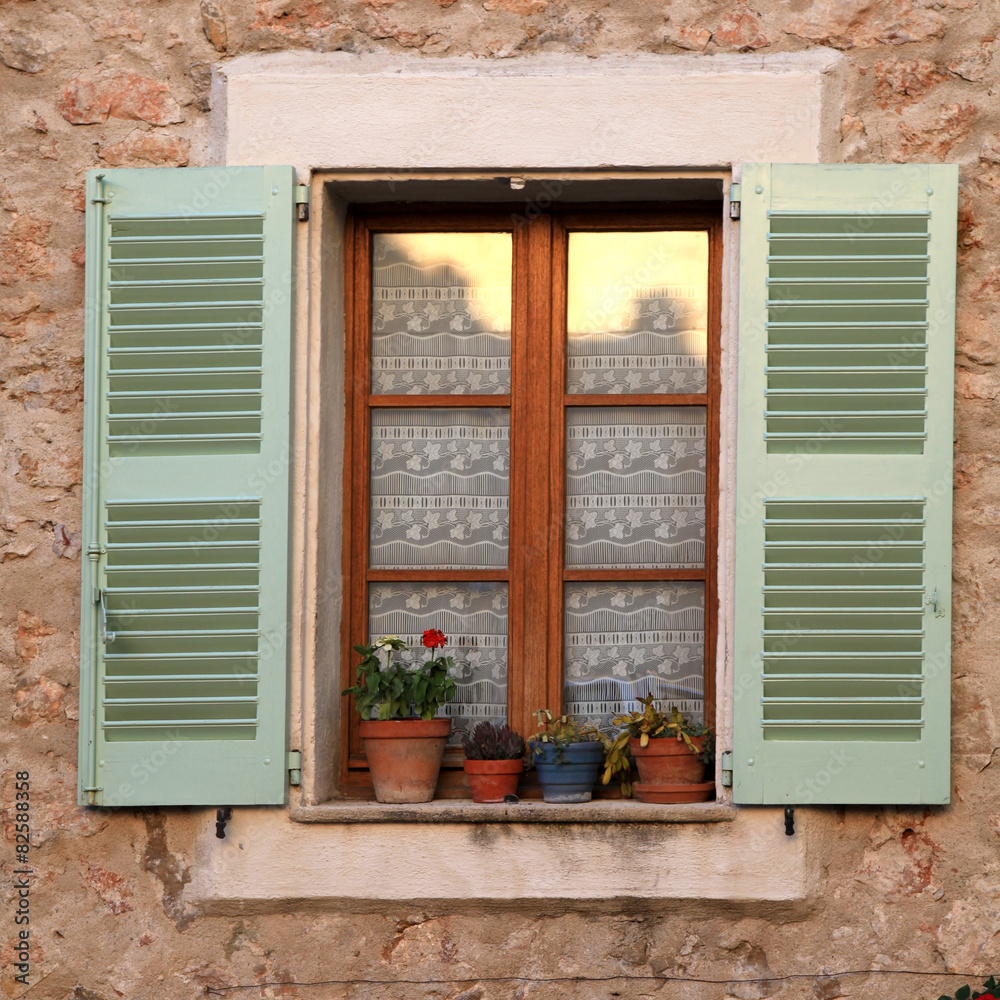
<point>637,312</point>
<point>637,321</point>
<point>440,485</point>
<point>474,617</point>
<point>441,313</point>
<point>627,640</point>
<point>635,487</point>
<point>440,477</point>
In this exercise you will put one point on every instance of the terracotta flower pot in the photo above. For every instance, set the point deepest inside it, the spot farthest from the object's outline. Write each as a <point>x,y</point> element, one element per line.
<point>700,791</point>
<point>404,757</point>
<point>667,761</point>
<point>491,780</point>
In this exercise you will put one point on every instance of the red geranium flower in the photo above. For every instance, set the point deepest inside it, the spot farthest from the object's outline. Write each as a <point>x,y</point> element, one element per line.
<point>434,637</point>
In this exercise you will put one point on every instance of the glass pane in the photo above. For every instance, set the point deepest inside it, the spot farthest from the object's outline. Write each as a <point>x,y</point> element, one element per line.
<point>635,487</point>
<point>626,640</point>
<point>474,618</point>
<point>440,488</point>
<point>637,312</point>
<point>441,313</point>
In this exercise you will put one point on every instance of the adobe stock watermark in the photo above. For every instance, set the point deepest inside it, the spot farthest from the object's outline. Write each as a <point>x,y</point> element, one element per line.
<point>809,789</point>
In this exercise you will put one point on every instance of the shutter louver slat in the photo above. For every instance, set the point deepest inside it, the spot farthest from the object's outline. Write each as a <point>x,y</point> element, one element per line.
<point>843,539</point>
<point>866,643</point>
<point>822,308</point>
<point>218,545</point>
<point>219,300</point>
<point>188,389</point>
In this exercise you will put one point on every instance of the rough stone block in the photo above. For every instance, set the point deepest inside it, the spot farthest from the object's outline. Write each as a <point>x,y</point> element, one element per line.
<point>213,23</point>
<point>124,25</point>
<point>141,148</point>
<point>26,51</point>
<point>859,24</point>
<point>740,29</point>
<point>89,99</point>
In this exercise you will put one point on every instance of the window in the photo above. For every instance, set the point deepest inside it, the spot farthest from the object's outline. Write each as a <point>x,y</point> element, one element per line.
<point>836,534</point>
<point>532,458</point>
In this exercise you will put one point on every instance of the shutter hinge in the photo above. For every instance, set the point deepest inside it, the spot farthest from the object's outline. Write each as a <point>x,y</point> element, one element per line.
<point>302,201</point>
<point>295,767</point>
<point>727,769</point>
<point>932,603</point>
<point>94,553</point>
<point>734,201</point>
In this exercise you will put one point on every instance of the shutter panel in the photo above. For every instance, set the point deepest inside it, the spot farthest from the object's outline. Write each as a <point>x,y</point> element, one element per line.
<point>844,473</point>
<point>186,455</point>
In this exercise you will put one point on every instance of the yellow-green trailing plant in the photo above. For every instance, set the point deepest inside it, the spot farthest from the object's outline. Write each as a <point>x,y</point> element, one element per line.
<point>649,723</point>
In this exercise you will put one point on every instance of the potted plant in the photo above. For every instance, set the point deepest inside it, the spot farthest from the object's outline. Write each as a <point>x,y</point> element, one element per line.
<point>494,760</point>
<point>568,757</point>
<point>990,990</point>
<point>403,741</point>
<point>669,750</point>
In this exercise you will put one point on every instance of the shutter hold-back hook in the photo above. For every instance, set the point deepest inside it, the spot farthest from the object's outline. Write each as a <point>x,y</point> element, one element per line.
<point>789,821</point>
<point>222,817</point>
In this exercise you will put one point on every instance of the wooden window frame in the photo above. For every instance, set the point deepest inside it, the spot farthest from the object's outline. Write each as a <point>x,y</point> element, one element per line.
<point>535,575</point>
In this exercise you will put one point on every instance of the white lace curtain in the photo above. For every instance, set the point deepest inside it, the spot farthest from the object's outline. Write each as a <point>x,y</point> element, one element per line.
<point>626,640</point>
<point>635,476</point>
<point>441,313</point>
<point>637,312</point>
<point>635,487</point>
<point>440,487</point>
<point>474,618</point>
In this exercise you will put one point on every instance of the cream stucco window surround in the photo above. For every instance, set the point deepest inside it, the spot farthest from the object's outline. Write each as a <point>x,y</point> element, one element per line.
<point>369,127</point>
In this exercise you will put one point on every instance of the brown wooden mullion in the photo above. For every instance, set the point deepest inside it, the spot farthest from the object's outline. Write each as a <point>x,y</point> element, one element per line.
<point>519,434</point>
<point>557,476</point>
<point>536,463</point>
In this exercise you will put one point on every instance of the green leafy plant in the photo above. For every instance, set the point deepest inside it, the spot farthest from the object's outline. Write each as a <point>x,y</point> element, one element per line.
<point>560,732</point>
<point>492,742</point>
<point>393,691</point>
<point>990,988</point>
<point>647,724</point>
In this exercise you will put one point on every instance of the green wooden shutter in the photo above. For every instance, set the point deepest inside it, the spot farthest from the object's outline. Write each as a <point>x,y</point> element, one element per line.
<point>186,454</point>
<point>844,473</point>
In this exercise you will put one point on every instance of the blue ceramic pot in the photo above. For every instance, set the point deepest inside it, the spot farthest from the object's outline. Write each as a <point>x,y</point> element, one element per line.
<point>570,774</point>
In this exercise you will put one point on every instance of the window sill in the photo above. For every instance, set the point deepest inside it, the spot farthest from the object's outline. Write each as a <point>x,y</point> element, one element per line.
<point>455,853</point>
<point>467,811</point>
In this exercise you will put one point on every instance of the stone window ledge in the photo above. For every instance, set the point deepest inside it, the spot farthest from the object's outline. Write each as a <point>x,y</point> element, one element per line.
<point>354,855</point>
<point>467,811</point>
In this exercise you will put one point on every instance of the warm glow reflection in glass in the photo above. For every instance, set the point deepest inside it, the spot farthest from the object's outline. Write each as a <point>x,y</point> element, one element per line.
<point>637,313</point>
<point>474,267</point>
<point>609,273</point>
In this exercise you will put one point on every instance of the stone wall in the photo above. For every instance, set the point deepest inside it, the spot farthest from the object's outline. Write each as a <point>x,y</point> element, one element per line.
<point>118,84</point>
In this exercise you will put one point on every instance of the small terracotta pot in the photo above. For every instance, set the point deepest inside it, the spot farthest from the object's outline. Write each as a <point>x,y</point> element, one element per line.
<point>687,792</point>
<point>491,780</point>
<point>404,757</point>
<point>667,761</point>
